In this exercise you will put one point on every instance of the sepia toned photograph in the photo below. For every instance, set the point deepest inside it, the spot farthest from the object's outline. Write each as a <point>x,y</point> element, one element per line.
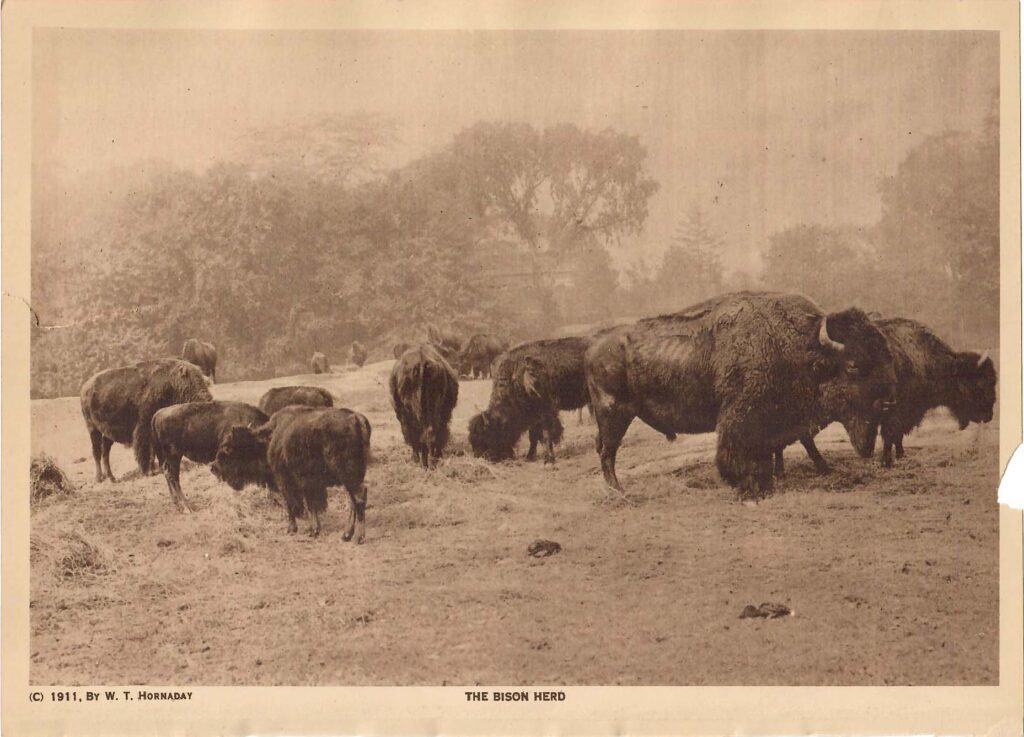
<point>527,359</point>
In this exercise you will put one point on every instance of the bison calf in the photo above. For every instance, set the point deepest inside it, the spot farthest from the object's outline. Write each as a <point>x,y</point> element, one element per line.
<point>424,389</point>
<point>306,449</point>
<point>282,396</point>
<point>195,431</point>
<point>118,406</point>
<point>531,384</point>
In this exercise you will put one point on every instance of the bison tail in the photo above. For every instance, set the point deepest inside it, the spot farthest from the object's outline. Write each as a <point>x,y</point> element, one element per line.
<point>316,499</point>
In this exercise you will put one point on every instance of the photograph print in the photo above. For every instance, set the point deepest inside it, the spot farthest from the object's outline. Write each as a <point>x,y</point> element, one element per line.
<point>514,358</point>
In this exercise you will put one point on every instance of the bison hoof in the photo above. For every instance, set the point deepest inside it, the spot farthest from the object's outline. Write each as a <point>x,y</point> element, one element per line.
<point>346,536</point>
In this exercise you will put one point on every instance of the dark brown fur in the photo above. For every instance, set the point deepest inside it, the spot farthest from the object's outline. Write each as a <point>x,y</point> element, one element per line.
<point>751,366</point>
<point>195,431</point>
<point>306,449</point>
<point>118,406</point>
<point>281,396</point>
<point>532,382</point>
<point>424,390</point>
<point>203,355</point>
<point>478,354</point>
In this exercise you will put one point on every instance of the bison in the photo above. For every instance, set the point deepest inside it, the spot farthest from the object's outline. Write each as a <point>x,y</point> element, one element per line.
<point>399,349</point>
<point>931,374</point>
<point>281,396</point>
<point>424,389</point>
<point>447,342</point>
<point>118,406</point>
<point>195,431</point>
<point>478,354</point>
<point>358,353</point>
<point>304,450</point>
<point>761,369</point>
<point>319,363</point>
<point>203,355</point>
<point>531,384</point>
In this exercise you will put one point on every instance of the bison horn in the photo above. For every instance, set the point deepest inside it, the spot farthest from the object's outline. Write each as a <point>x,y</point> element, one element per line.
<point>825,340</point>
<point>984,357</point>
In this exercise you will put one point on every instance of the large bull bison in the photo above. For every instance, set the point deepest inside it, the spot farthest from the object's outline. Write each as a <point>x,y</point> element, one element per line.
<point>281,396</point>
<point>931,374</point>
<point>319,363</point>
<point>203,355</point>
<point>118,406</point>
<point>195,431</point>
<point>476,356</point>
<point>531,384</point>
<point>304,450</point>
<point>424,389</point>
<point>761,369</point>
<point>358,353</point>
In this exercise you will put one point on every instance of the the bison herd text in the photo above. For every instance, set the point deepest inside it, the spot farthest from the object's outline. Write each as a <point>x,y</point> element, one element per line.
<point>761,370</point>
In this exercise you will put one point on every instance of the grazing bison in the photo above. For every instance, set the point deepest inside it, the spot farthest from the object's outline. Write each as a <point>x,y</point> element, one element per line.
<point>761,369</point>
<point>399,349</point>
<point>118,406</point>
<point>424,389</point>
<point>306,449</point>
<point>195,431</point>
<point>203,355</point>
<point>531,384</point>
<point>282,396</point>
<point>358,353</point>
<point>319,363</point>
<point>445,340</point>
<point>478,354</point>
<point>931,374</point>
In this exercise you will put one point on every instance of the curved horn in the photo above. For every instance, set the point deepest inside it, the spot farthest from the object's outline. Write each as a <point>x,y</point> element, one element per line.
<point>825,340</point>
<point>984,357</point>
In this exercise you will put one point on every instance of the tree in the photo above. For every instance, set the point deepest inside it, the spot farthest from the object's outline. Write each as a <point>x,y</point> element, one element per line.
<point>692,267</point>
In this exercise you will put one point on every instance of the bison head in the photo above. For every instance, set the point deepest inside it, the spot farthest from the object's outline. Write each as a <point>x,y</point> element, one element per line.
<point>859,388</point>
<point>189,384</point>
<point>242,458</point>
<point>974,382</point>
<point>492,437</point>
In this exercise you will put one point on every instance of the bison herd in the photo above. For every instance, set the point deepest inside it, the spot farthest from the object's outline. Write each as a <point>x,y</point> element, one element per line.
<point>761,370</point>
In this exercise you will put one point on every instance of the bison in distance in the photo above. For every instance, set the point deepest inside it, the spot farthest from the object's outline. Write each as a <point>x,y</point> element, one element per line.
<point>301,451</point>
<point>203,355</point>
<point>358,353</point>
<point>399,349</point>
<point>531,384</point>
<point>931,374</point>
<point>195,431</point>
<point>479,353</point>
<point>282,396</point>
<point>318,363</point>
<point>118,406</point>
<point>761,369</point>
<point>424,390</point>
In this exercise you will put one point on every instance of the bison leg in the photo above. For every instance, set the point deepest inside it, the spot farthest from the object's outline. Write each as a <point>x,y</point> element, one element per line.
<point>887,453</point>
<point>96,437</point>
<point>612,424</point>
<point>820,464</point>
<point>535,437</point>
<point>743,464</point>
<point>107,444</point>
<point>899,446</point>
<point>142,445</point>
<point>357,513</point>
<point>549,434</point>
<point>172,472</point>
<point>780,465</point>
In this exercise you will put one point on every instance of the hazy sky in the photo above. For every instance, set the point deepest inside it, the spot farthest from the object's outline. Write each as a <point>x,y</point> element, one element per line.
<point>765,129</point>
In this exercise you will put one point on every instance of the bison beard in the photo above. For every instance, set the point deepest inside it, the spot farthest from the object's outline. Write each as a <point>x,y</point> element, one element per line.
<point>531,384</point>
<point>281,396</point>
<point>758,368</point>
<point>118,406</point>
<point>306,450</point>
<point>424,389</point>
<point>195,431</point>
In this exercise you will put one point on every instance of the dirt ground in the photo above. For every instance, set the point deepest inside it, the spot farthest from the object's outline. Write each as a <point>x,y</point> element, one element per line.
<point>892,575</point>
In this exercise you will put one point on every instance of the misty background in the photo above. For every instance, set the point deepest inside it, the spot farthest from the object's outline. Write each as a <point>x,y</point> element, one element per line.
<point>283,192</point>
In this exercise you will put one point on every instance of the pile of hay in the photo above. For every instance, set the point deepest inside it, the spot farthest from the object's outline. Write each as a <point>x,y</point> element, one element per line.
<point>47,479</point>
<point>66,554</point>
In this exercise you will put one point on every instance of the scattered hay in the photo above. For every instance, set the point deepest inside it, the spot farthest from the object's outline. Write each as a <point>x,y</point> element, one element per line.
<point>469,470</point>
<point>67,555</point>
<point>47,480</point>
